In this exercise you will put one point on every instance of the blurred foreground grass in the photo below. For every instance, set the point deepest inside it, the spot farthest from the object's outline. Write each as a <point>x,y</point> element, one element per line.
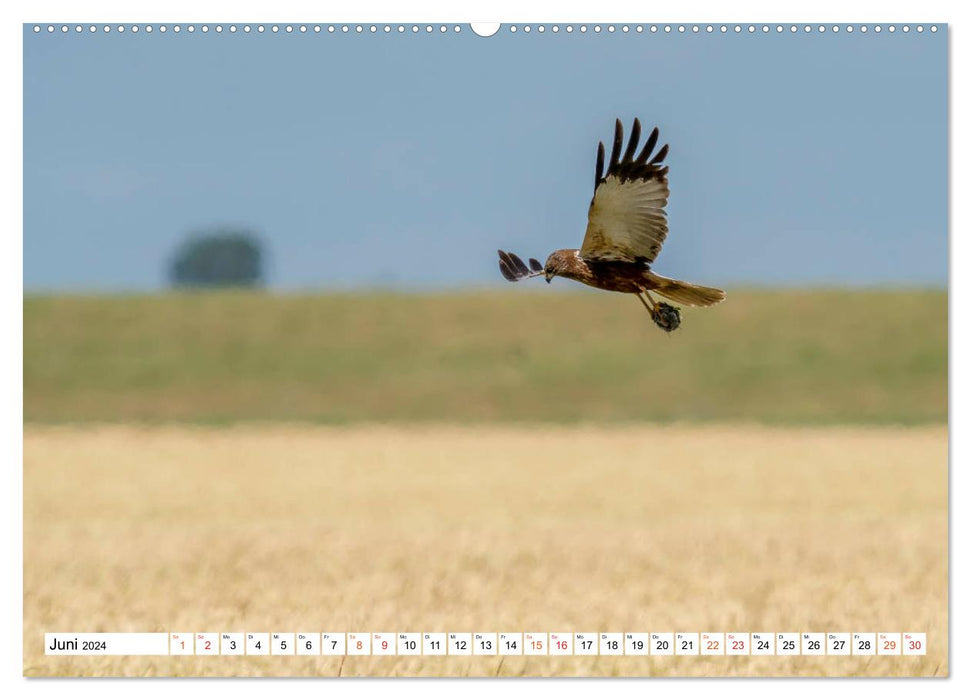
<point>519,355</point>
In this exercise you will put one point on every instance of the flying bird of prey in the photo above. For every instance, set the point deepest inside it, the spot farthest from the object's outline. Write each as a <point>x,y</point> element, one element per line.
<point>626,227</point>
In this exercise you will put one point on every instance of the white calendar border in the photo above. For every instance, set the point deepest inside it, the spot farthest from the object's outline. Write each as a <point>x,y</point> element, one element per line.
<point>11,645</point>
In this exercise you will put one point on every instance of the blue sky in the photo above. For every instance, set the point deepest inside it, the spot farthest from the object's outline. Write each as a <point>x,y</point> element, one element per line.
<point>404,161</point>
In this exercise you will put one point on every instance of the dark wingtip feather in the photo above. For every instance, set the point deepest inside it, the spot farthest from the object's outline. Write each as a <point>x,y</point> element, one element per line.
<point>600,164</point>
<point>535,265</point>
<point>518,265</point>
<point>635,136</point>
<point>648,147</point>
<point>660,155</point>
<point>506,259</point>
<point>618,144</point>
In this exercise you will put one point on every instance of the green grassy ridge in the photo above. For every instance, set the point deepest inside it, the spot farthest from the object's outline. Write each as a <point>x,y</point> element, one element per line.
<point>521,355</point>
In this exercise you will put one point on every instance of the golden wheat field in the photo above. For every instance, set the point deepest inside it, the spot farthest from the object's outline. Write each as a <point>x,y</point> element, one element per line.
<point>677,528</point>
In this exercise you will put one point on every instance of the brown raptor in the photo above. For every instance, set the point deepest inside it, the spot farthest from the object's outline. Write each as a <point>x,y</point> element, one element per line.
<point>626,226</point>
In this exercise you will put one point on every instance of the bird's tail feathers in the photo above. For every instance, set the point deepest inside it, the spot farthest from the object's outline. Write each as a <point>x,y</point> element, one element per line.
<point>685,292</point>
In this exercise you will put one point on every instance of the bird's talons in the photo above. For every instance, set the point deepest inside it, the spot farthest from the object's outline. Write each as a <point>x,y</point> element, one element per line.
<point>666,317</point>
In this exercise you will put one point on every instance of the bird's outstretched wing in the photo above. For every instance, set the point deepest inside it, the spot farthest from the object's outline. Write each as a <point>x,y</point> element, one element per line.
<point>626,220</point>
<point>514,269</point>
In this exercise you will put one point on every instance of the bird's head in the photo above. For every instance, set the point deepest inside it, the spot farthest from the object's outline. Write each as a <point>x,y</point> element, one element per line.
<point>558,261</point>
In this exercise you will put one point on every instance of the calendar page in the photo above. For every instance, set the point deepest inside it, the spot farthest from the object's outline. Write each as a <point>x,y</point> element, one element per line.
<point>515,349</point>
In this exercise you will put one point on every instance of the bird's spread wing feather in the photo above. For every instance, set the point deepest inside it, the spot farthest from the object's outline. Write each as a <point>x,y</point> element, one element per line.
<point>626,220</point>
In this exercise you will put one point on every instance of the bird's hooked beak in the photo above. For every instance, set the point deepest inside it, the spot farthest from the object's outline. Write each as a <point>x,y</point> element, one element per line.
<point>549,277</point>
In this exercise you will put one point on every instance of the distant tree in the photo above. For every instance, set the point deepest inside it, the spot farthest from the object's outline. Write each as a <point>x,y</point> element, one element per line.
<point>218,258</point>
